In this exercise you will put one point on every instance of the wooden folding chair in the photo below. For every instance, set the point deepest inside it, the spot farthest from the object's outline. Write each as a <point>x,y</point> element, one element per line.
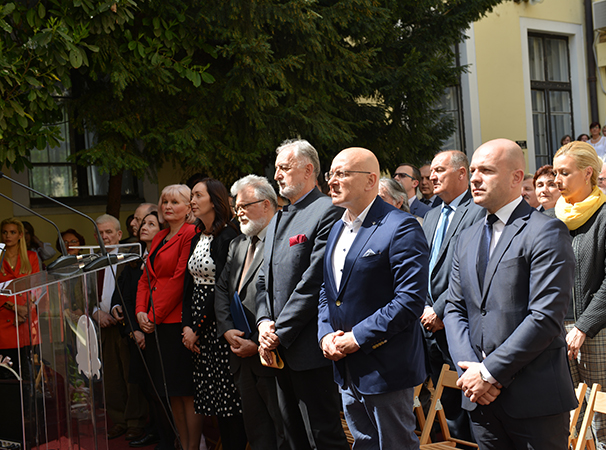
<point>418,407</point>
<point>596,403</point>
<point>574,415</point>
<point>350,439</point>
<point>448,379</point>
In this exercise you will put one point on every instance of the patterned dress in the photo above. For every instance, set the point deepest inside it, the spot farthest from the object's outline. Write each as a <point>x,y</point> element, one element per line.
<point>215,393</point>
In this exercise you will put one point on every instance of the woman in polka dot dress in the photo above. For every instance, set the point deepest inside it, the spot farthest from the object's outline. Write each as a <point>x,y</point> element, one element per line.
<point>216,394</point>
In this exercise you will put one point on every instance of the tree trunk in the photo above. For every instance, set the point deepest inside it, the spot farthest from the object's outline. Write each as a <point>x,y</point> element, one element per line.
<point>114,195</point>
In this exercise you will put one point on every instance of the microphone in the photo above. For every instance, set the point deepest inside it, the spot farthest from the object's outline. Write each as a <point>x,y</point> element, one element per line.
<point>109,259</point>
<point>65,259</point>
<point>99,239</point>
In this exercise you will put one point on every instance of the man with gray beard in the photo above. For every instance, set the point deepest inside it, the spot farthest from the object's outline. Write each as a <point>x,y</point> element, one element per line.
<point>255,205</point>
<point>287,302</point>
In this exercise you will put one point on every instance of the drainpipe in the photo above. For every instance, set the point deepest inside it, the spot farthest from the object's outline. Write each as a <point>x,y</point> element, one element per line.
<point>591,68</point>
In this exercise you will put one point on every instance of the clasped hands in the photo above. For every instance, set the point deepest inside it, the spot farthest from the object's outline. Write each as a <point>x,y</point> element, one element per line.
<point>21,311</point>
<point>268,340</point>
<point>430,320</point>
<point>190,340</point>
<point>474,387</point>
<point>338,345</point>
<point>239,346</point>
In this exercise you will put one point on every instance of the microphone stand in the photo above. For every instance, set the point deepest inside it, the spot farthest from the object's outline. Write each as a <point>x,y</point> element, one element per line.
<point>99,239</point>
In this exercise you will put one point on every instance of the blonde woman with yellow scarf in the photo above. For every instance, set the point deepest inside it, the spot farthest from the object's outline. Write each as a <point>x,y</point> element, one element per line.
<point>581,208</point>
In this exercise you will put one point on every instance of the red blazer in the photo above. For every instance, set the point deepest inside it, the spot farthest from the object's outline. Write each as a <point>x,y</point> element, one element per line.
<point>8,330</point>
<point>166,277</point>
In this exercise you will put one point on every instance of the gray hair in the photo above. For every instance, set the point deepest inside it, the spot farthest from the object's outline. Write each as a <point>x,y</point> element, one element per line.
<point>149,207</point>
<point>458,160</point>
<point>302,149</point>
<point>263,190</point>
<point>395,191</point>
<point>107,218</point>
<point>177,191</point>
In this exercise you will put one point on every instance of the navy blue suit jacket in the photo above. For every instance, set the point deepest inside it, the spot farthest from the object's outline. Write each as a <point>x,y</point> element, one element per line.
<point>517,319</point>
<point>418,208</point>
<point>381,297</point>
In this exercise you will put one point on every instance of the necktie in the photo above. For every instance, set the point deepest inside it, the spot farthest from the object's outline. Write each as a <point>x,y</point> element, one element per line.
<point>484,251</point>
<point>426,201</point>
<point>437,242</point>
<point>250,254</point>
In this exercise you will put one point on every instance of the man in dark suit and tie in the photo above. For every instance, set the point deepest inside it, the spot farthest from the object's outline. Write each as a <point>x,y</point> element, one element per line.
<point>509,291</point>
<point>255,204</point>
<point>442,226</point>
<point>410,178</point>
<point>287,301</point>
<point>124,401</point>
<point>375,283</point>
<point>428,196</point>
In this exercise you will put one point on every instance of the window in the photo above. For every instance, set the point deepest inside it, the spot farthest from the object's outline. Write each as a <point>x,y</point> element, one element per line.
<point>551,94</point>
<point>54,175</point>
<point>450,103</point>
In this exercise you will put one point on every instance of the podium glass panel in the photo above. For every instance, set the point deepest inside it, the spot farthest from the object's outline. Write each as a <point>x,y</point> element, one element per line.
<point>52,397</point>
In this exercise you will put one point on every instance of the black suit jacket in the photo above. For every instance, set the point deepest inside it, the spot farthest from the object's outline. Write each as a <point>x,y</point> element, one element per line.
<point>418,208</point>
<point>466,214</point>
<point>219,248</point>
<point>517,318</point>
<point>289,282</point>
<point>227,285</point>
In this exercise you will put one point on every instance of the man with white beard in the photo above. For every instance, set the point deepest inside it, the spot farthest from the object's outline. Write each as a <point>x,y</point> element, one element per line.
<point>255,204</point>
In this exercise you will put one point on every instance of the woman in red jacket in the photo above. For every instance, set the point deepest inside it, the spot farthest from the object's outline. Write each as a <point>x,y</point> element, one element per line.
<point>18,262</point>
<point>159,304</point>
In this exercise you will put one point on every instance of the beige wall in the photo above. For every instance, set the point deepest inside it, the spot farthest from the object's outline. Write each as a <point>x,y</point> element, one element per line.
<point>502,90</point>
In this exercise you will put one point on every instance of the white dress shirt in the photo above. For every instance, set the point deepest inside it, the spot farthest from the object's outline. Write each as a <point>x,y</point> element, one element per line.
<point>351,226</point>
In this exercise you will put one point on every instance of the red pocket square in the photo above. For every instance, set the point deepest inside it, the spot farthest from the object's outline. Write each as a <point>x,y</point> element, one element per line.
<point>298,239</point>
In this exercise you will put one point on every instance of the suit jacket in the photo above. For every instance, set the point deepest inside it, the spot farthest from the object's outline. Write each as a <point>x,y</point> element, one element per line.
<point>466,214</point>
<point>380,298</point>
<point>165,277</point>
<point>127,283</point>
<point>219,248</point>
<point>227,285</point>
<point>418,208</point>
<point>289,281</point>
<point>517,319</point>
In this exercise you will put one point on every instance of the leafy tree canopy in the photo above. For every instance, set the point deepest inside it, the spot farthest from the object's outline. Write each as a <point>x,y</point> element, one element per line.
<point>216,85</point>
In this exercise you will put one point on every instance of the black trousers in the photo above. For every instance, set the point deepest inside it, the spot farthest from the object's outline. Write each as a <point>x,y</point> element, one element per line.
<point>310,406</point>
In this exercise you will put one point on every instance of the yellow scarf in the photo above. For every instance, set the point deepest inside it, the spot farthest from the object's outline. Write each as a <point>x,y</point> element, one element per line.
<point>576,215</point>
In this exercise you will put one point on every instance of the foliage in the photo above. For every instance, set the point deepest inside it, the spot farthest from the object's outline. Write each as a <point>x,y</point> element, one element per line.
<point>216,85</point>
<point>49,43</point>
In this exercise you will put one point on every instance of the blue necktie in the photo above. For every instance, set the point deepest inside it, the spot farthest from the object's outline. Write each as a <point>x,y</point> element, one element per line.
<point>484,251</point>
<point>437,242</point>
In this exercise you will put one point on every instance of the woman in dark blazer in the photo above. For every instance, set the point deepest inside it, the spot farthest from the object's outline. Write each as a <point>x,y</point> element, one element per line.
<point>159,305</point>
<point>216,393</point>
<point>581,208</point>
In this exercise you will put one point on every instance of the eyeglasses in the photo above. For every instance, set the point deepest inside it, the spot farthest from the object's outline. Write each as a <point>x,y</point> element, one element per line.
<point>340,174</point>
<point>402,175</point>
<point>72,242</point>
<point>245,206</point>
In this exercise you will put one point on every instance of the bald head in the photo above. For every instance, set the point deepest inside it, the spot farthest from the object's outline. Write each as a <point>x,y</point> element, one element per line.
<point>497,172</point>
<point>355,180</point>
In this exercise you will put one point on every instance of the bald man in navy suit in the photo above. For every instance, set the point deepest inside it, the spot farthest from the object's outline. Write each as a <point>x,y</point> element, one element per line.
<point>509,292</point>
<point>375,282</point>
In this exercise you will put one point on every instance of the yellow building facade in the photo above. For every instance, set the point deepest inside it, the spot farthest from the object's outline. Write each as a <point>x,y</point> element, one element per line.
<point>528,77</point>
